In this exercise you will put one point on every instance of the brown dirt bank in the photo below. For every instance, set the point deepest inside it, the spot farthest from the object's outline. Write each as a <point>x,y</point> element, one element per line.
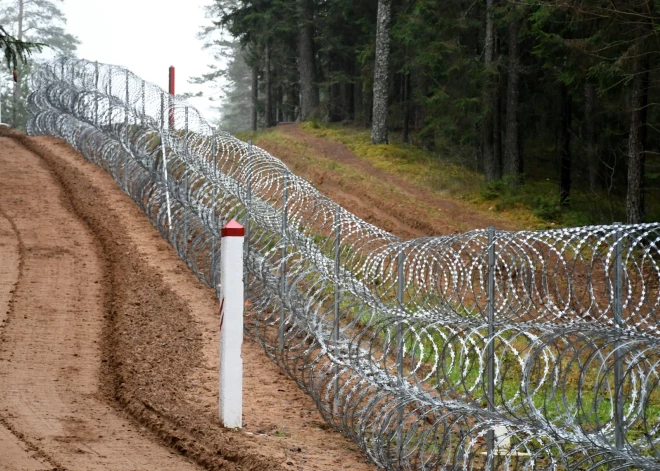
<point>377,196</point>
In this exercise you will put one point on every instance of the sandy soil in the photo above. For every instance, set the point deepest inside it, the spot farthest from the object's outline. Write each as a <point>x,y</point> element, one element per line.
<point>381,198</point>
<point>108,343</point>
<point>50,351</point>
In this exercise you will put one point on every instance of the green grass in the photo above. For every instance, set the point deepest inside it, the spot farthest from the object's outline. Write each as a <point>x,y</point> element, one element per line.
<point>405,160</point>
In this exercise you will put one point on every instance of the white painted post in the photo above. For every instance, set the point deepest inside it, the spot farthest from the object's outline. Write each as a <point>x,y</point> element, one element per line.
<point>231,325</point>
<point>167,188</point>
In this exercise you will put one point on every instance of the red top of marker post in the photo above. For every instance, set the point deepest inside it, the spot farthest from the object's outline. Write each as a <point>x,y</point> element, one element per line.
<point>233,229</point>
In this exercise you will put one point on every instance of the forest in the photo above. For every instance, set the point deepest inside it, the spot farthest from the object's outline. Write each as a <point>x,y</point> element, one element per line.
<point>520,90</point>
<point>551,102</point>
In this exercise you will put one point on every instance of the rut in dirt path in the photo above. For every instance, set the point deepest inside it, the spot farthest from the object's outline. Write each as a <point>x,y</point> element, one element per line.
<point>17,453</point>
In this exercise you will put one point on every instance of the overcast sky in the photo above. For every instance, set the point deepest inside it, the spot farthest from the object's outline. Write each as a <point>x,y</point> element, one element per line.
<point>145,36</point>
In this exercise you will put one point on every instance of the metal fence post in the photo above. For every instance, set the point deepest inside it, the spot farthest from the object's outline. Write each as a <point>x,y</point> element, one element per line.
<point>185,122</point>
<point>285,195</point>
<point>248,214</point>
<point>401,283</point>
<point>335,327</point>
<point>110,96</point>
<point>214,196</point>
<point>167,189</point>
<point>96,93</point>
<point>144,104</point>
<point>126,110</point>
<point>170,106</point>
<point>186,179</point>
<point>490,360</point>
<point>619,434</point>
<point>162,110</point>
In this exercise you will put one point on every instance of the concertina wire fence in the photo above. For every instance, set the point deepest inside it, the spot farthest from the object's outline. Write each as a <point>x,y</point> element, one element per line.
<point>484,350</point>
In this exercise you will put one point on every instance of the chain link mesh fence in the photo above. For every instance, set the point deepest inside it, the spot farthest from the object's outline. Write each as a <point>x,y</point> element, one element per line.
<point>484,350</point>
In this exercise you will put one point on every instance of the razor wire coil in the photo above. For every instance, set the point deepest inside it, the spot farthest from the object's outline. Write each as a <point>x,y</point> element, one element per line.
<point>483,350</point>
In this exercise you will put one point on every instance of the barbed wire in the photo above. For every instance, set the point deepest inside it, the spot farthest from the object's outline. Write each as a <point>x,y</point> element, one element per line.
<point>483,350</point>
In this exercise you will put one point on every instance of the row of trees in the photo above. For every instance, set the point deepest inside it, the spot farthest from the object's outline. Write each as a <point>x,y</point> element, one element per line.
<point>518,87</point>
<point>39,23</point>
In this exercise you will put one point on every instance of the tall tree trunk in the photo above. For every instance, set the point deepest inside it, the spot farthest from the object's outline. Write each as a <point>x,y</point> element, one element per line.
<point>635,209</point>
<point>565,148</point>
<point>255,96</point>
<point>360,115</point>
<point>276,98</point>
<point>306,61</point>
<point>591,146</point>
<point>368,105</point>
<point>279,105</point>
<point>268,101</point>
<point>487,125</point>
<point>406,110</point>
<point>334,93</point>
<point>17,84</point>
<point>348,93</point>
<point>381,73</point>
<point>286,104</point>
<point>497,124</point>
<point>512,154</point>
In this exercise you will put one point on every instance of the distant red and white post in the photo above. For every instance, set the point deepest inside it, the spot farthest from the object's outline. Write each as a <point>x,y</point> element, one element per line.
<point>231,326</point>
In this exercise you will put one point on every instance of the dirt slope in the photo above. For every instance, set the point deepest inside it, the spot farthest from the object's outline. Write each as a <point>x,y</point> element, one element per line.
<point>377,196</point>
<point>104,314</point>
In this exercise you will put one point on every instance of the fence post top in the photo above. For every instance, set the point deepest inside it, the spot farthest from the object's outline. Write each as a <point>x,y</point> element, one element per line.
<point>233,229</point>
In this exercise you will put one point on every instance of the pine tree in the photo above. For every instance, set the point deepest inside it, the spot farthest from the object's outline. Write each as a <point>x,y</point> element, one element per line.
<point>307,60</point>
<point>17,51</point>
<point>36,21</point>
<point>381,74</point>
<point>512,161</point>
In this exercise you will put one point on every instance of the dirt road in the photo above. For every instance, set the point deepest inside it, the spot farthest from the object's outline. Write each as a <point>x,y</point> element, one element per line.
<point>50,352</point>
<point>108,343</point>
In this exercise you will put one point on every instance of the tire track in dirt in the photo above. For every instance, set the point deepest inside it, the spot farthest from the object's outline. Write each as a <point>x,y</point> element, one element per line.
<point>18,453</point>
<point>161,344</point>
<point>12,259</point>
<point>21,454</point>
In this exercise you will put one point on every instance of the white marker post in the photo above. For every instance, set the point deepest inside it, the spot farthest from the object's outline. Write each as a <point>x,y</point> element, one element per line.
<point>231,326</point>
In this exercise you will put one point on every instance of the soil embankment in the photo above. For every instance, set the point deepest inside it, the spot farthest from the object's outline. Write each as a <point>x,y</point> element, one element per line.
<point>382,198</point>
